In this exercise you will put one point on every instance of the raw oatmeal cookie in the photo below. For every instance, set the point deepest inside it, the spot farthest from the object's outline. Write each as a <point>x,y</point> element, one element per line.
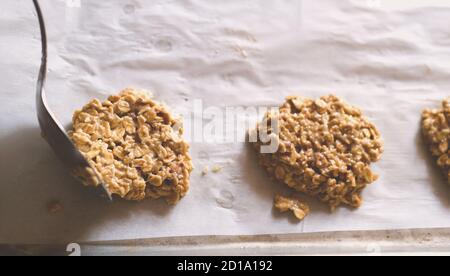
<point>436,129</point>
<point>135,147</point>
<point>325,148</point>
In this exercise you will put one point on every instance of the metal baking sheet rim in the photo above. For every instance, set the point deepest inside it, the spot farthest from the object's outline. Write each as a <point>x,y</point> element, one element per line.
<point>369,243</point>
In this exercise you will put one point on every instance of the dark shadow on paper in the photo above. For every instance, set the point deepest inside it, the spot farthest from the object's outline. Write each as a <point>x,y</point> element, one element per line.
<point>436,177</point>
<point>32,177</point>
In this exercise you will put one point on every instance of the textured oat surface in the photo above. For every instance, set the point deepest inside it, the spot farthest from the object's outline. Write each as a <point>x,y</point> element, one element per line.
<point>325,149</point>
<point>135,146</point>
<point>436,129</point>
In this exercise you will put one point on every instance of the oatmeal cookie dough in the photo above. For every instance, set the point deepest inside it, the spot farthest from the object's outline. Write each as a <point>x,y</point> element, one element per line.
<point>285,204</point>
<point>325,149</point>
<point>436,130</point>
<point>135,145</point>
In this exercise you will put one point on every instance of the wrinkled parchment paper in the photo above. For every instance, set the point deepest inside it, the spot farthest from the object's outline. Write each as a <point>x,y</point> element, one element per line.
<point>390,61</point>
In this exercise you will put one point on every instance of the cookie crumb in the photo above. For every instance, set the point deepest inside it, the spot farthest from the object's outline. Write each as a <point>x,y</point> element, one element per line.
<point>205,171</point>
<point>242,52</point>
<point>298,208</point>
<point>217,169</point>
<point>54,207</point>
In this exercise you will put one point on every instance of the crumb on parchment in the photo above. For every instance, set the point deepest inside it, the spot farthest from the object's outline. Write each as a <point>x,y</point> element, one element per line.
<point>285,204</point>
<point>325,149</point>
<point>205,170</point>
<point>54,207</point>
<point>216,169</point>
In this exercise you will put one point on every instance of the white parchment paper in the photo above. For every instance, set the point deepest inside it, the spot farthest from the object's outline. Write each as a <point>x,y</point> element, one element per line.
<point>390,62</point>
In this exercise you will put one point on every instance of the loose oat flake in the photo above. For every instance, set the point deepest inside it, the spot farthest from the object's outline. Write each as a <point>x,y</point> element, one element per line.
<point>436,130</point>
<point>54,207</point>
<point>205,171</point>
<point>217,169</point>
<point>135,145</point>
<point>284,204</point>
<point>325,149</point>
